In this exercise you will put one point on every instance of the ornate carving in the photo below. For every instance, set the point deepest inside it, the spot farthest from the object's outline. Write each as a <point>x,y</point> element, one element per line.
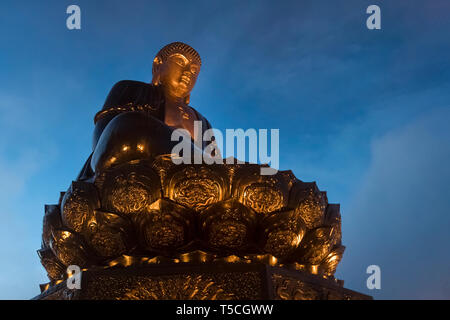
<point>292,289</point>
<point>196,193</point>
<point>330,263</point>
<point>78,205</point>
<point>333,219</point>
<point>228,225</point>
<point>132,204</point>
<point>139,220</point>
<point>166,226</point>
<point>130,189</point>
<point>262,198</point>
<point>283,232</point>
<point>182,287</point>
<point>264,194</point>
<point>69,248</point>
<point>240,228</point>
<point>109,234</point>
<point>52,220</point>
<point>55,269</point>
<point>309,203</point>
<point>316,245</point>
<point>162,165</point>
<point>196,186</point>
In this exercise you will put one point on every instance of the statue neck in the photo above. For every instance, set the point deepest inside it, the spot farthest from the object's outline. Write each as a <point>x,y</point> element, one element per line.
<point>175,101</point>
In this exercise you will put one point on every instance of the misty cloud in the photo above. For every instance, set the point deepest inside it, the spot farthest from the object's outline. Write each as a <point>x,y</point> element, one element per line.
<point>400,217</point>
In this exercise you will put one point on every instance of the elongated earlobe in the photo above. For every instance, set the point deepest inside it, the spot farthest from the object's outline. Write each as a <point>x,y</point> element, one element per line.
<point>156,70</point>
<point>156,80</point>
<point>187,99</point>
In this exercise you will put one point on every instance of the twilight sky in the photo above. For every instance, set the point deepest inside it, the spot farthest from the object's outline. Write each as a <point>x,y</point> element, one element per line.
<point>364,113</point>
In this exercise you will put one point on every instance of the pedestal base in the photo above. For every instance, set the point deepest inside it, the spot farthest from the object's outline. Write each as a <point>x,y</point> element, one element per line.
<point>202,282</point>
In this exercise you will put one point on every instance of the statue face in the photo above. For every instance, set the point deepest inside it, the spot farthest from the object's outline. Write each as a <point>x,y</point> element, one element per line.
<point>178,75</point>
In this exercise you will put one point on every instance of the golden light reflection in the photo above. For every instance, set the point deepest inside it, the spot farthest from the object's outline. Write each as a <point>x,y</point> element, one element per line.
<point>127,260</point>
<point>154,260</point>
<point>265,258</point>
<point>333,258</point>
<point>296,240</point>
<point>298,266</point>
<point>232,259</point>
<point>197,256</point>
<point>65,234</point>
<point>155,205</point>
<point>113,263</point>
<point>314,269</point>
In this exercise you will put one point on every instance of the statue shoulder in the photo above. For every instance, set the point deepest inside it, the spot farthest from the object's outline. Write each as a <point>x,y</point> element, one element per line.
<point>129,85</point>
<point>129,95</point>
<point>200,117</point>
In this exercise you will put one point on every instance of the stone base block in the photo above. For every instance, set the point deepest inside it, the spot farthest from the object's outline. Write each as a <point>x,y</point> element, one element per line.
<point>207,281</point>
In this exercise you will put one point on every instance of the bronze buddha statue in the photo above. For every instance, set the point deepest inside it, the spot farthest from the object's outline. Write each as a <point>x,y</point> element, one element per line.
<point>138,118</point>
<point>144,227</point>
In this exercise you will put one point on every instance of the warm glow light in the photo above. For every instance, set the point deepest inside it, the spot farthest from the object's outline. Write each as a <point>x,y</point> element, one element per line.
<point>298,266</point>
<point>125,148</point>
<point>295,242</point>
<point>153,260</point>
<point>65,234</point>
<point>315,269</point>
<point>155,205</point>
<point>128,261</point>
<point>185,257</point>
<point>273,261</point>
<point>113,263</point>
<point>333,258</point>
<point>232,259</point>
<point>140,147</point>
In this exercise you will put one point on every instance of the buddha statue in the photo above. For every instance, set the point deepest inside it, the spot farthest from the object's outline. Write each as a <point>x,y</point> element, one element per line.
<point>138,118</point>
<point>144,227</point>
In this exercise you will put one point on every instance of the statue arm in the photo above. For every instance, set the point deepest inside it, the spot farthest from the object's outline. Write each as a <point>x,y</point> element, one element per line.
<point>125,96</point>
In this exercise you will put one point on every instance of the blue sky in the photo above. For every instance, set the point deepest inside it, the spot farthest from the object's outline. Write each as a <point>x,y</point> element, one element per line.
<point>364,113</point>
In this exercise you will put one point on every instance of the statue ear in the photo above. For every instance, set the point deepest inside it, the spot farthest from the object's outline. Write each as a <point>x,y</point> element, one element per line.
<point>187,99</point>
<point>156,71</point>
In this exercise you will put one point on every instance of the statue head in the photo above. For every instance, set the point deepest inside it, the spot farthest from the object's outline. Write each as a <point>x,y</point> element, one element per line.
<point>176,67</point>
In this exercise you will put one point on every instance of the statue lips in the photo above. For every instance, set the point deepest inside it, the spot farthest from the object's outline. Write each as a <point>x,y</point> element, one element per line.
<point>185,79</point>
<point>184,84</point>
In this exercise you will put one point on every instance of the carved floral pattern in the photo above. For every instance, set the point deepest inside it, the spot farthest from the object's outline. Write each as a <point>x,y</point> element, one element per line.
<point>179,209</point>
<point>196,193</point>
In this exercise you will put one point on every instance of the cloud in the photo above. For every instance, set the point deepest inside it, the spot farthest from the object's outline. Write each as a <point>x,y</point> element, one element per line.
<point>399,219</point>
<point>23,155</point>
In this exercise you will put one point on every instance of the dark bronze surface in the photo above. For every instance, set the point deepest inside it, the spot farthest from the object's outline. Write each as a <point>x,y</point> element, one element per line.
<point>226,281</point>
<point>153,208</point>
<point>132,208</point>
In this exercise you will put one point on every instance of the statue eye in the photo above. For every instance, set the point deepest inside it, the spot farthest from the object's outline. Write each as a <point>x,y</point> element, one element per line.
<point>194,69</point>
<point>179,61</point>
